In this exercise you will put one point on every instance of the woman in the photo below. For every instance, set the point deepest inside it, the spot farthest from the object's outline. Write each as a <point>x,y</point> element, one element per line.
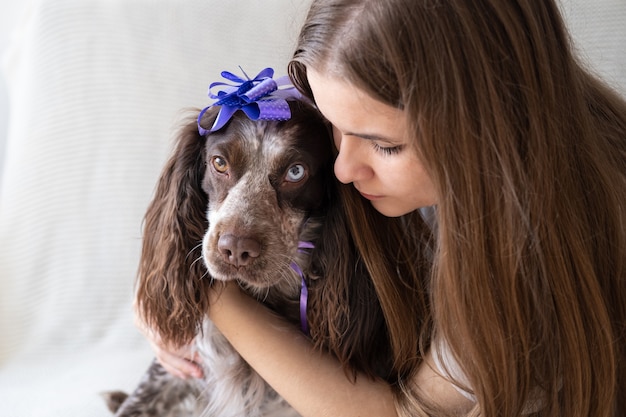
<point>471,122</point>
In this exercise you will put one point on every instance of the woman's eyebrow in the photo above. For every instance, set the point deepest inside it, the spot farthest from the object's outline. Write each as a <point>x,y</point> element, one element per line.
<point>371,137</point>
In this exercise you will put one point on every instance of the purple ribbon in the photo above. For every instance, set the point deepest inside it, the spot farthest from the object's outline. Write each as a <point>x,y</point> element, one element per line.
<point>260,98</point>
<point>304,291</point>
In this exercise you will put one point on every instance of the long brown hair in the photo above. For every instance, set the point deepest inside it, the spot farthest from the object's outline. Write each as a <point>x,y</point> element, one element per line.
<point>527,150</point>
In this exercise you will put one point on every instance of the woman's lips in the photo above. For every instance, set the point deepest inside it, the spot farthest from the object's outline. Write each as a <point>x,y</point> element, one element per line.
<point>369,196</point>
<point>366,195</point>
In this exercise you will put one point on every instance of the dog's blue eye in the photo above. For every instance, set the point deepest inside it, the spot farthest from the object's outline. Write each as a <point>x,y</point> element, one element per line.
<point>295,173</point>
<point>219,164</point>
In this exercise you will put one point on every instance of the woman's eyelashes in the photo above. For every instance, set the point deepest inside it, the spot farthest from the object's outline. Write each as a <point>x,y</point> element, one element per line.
<point>387,150</point>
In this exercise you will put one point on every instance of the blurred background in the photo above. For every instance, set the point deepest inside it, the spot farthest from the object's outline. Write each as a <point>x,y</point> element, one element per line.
<point>10,12</point>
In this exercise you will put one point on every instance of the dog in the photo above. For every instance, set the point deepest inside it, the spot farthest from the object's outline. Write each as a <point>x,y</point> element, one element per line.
<point>261,198</point>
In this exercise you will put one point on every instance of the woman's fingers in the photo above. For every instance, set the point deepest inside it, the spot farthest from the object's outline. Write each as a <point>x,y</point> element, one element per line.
<point>179,366</point>
<point>181,362</point>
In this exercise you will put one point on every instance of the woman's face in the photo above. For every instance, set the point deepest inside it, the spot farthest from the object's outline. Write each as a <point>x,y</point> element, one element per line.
<point>375,150</point>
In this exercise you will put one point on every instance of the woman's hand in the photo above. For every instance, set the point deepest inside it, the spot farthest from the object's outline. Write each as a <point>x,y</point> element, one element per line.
<point>182,362</point>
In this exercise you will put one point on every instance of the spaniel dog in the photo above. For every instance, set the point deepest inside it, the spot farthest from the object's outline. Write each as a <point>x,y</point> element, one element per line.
<point>256,202</point>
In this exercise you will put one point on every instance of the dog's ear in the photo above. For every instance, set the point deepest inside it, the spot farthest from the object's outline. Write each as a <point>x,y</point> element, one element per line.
<point>345,314</point>
<point>172,282</point>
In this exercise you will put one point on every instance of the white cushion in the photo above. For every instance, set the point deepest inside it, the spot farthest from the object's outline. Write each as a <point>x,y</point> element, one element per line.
<point>96,88</point>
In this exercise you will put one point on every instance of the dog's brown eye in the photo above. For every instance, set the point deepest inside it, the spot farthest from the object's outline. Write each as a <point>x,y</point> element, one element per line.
<point>220,164</point>
<point>295,173</point>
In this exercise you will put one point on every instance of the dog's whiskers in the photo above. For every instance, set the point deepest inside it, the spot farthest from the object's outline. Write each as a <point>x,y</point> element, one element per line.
<point>266,295</point>
<point>198,259</point>
<point>192,250</point>
<point>206,273</point>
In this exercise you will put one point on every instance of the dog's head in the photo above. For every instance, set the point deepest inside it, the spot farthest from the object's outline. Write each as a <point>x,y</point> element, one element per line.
<point>265,181</point>
<point>236,203</point>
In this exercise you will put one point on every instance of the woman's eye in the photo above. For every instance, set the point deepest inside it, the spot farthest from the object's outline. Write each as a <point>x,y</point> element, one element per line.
<point>219,164</point>
<point>295,173</point>
<point>387,150</point>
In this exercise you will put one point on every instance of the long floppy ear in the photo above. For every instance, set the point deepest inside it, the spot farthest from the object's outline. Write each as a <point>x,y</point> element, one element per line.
<point>172,281</point>
<point>345,314</point>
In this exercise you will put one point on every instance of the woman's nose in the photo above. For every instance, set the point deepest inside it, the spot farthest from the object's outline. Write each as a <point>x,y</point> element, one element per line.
<point>350,164</point>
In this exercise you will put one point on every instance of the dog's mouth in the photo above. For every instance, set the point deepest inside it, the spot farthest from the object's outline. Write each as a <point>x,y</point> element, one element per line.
<point>245,259</point>
<point>257,275</point>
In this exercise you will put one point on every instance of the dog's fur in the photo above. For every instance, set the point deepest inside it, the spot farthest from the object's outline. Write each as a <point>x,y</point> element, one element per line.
<point>249,193</point>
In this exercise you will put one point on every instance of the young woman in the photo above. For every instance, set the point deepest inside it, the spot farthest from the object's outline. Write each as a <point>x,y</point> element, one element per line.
<point>471,123</point>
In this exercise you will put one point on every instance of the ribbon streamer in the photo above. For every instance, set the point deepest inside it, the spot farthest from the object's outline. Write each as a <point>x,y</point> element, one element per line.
<point>304,291</point>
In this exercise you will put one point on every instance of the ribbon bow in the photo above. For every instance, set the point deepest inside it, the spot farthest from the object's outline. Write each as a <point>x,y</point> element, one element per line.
<point>259,98</point>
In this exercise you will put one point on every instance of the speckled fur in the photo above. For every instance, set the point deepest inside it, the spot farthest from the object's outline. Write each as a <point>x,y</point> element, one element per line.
<point>252,200</point>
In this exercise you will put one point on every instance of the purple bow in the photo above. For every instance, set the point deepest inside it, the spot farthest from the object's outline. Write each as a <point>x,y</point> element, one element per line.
<point>259,98</point>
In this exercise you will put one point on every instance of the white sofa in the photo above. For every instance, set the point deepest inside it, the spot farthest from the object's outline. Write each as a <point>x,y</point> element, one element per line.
<point>95,91</point>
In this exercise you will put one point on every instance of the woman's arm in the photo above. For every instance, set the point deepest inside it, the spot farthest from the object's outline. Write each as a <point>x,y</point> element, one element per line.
<point>312,382</point>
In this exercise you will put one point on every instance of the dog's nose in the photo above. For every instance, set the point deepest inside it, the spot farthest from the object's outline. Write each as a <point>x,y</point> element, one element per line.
<point>238,251</point>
